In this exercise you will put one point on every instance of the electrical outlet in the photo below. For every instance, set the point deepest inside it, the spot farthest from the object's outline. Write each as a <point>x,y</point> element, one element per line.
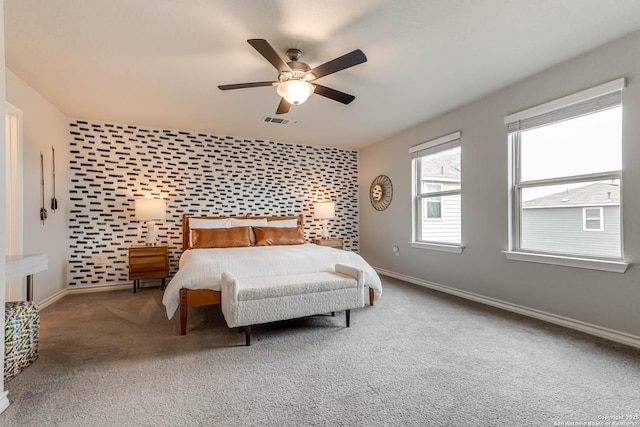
<point>99,260</point>
<point>396,251</point>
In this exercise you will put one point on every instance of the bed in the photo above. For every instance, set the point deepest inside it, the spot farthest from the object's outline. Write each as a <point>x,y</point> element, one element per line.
<point>197,282</point>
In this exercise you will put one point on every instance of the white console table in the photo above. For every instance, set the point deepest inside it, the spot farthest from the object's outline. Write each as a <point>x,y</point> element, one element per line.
<point>18,266</point>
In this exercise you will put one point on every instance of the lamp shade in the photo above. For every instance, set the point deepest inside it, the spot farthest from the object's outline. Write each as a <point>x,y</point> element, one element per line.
<point>324,210</point>
<point>151,209</point>
<point>295,92</point>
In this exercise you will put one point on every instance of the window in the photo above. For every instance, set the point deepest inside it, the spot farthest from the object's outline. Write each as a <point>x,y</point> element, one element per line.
<point>434,204</point>
<point>592,219</point>
<point>566,174</point>
<point>436,194</point>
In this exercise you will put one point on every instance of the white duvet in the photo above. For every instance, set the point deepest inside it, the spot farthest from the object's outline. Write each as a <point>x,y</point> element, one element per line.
<point>202,268</point>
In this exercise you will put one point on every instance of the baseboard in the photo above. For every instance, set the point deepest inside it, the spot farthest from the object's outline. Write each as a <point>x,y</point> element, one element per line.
<point>105,287</point>
<point>599,331</point>
<point>53,298</point>
<point>83,289</point>
<point>4,401</point>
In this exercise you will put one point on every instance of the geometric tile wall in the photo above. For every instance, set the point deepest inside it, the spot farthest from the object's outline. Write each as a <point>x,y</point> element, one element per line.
<point>198,174</point>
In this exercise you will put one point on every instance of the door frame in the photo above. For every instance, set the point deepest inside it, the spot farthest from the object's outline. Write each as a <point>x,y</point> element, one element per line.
<point>16,289</point>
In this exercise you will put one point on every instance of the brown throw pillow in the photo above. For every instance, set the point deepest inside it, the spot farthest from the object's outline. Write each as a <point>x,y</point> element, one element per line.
<point>273,236</point>
<point>220,237</point>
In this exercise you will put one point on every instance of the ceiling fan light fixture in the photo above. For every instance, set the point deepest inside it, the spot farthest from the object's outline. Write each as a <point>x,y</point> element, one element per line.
<point>295,92</point>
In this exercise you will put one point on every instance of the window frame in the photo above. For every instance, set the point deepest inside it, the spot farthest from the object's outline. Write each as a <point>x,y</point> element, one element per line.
<point>600,218</point>
<point>516,185</point>
<point>419,152</point>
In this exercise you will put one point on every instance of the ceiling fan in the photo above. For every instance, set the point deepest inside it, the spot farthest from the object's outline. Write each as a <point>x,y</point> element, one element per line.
<point>295,77</point>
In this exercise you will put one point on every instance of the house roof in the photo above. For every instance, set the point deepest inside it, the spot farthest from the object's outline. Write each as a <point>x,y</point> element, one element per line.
<point>158,63</point>
<point>597,194</point>
<point>445,167</point>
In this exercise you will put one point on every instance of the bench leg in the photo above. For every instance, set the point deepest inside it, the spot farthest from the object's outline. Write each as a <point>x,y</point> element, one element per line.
<point>348,313</point>
<point>247,335</point>
<point>371,296</point>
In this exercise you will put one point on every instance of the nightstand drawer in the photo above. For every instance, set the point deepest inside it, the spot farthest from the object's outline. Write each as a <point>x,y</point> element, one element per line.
<point>155,274</point>
<point>148,263</point>
<point>147,251</point>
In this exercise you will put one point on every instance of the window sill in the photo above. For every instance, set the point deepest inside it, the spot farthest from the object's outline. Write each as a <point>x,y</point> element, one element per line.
<point>566,261</point>
<point>456,249</point>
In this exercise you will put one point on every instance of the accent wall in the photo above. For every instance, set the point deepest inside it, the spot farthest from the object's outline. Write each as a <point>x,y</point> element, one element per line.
<point>199,174</point>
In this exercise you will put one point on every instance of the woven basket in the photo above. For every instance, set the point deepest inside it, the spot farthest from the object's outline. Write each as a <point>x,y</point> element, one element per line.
<point>21,336</point>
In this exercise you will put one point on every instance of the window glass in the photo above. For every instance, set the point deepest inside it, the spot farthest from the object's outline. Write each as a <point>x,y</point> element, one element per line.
<point>434,207</point>
<point>441,169</point>
<point>584,145</point>
<point>442,222</point>
<point>560,214</point>
<point>437,201</point>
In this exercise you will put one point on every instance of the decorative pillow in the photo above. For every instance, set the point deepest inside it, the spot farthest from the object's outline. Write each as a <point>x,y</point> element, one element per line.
<point>220,237</point>
<point>282,223</point>
<point>262,222</point>
<point>207,223</point>
<point>273,236</point>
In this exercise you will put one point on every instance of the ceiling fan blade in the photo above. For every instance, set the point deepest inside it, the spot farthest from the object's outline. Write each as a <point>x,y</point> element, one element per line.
<point>245,85</point>
<point>283,107</point>
<point>345,61</point>
<point>264,48</point>
<point>336,95</point>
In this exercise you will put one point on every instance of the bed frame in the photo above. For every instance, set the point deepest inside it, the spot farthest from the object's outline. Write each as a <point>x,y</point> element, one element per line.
<point>200,297</point>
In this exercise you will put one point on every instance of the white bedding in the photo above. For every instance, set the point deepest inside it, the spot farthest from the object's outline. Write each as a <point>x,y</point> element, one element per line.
<point>202,268</point>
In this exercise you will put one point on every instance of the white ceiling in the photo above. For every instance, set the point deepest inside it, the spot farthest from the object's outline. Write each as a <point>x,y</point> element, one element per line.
<point>158,63</point>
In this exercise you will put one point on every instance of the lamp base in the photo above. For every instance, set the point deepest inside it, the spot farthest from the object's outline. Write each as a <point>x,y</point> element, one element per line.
<point>325,229</point>
<point>151,233</point>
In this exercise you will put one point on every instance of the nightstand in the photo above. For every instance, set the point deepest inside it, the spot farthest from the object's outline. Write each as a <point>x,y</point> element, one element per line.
<point>148,262</point>
<point>332,243</point>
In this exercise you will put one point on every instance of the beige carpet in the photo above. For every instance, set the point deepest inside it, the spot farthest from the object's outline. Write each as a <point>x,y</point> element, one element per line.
<point>417,358</point>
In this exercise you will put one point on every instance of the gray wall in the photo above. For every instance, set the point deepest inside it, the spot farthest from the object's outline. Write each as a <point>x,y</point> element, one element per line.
<point>44,126</point>
<point>606,299</point>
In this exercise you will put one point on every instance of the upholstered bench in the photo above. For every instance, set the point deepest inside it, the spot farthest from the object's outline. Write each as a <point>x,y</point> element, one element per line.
<point>21,336</point>
<point>253,301</point>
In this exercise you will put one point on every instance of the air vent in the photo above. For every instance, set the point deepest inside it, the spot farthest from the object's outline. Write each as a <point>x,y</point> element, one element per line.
<point>278,120</point>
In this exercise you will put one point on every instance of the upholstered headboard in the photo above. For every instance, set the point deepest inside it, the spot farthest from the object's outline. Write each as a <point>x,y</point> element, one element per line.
<point>186,230</point>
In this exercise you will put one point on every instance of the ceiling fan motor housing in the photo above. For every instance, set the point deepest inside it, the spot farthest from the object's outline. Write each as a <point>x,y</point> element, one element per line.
<point>298,69</point>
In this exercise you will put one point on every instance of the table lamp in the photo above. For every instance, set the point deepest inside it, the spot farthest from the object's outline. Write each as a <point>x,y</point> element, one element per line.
<point>324,211</point>
<point>151,210</point>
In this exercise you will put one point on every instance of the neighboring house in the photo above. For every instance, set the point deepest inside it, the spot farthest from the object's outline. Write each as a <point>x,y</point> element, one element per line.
<point>581,221</point>
<point>441,216</point>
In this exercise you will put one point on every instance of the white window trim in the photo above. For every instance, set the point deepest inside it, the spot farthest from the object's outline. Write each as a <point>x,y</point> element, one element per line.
<point>436,246</point>
<point>616,266</point>
<point>442,247</point>
<point>566,101</point>
<point>567,261</point>
<point>600,218</point>
<point>435,142</point>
